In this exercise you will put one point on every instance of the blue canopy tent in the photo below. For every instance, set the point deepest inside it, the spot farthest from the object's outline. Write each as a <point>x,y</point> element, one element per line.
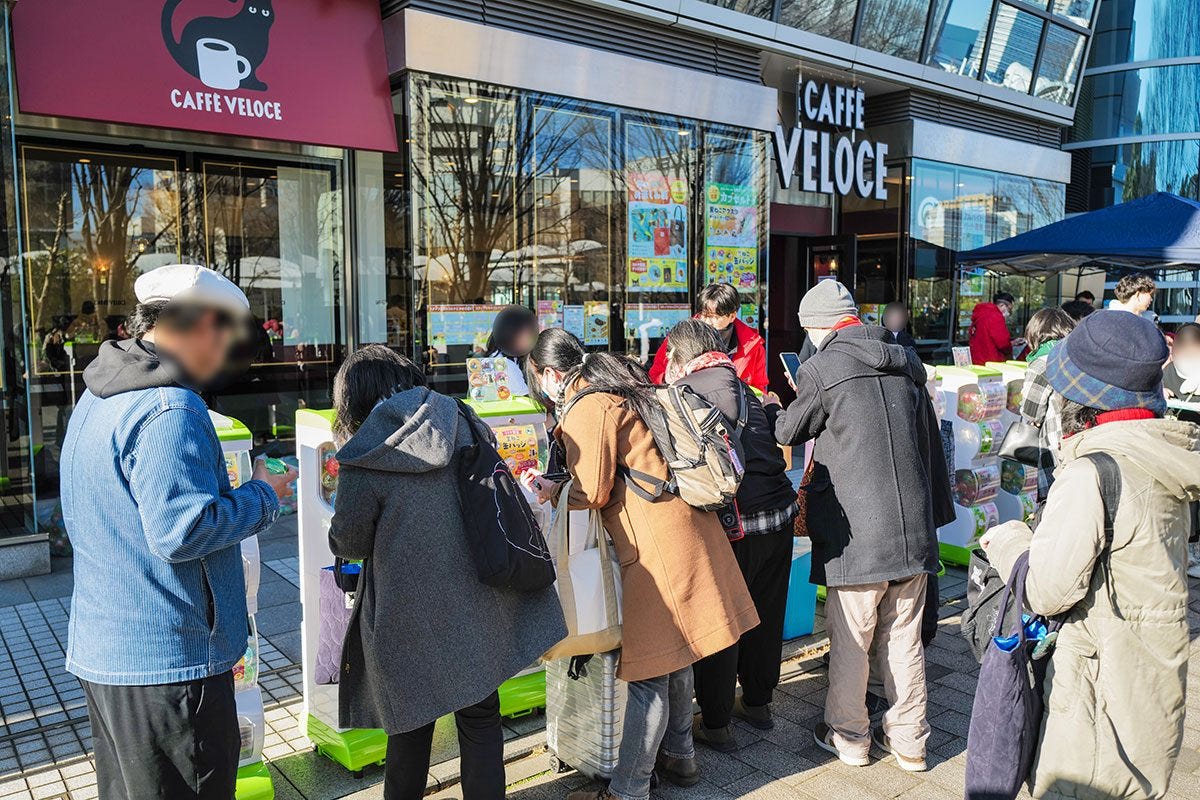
<point>1157,231</point>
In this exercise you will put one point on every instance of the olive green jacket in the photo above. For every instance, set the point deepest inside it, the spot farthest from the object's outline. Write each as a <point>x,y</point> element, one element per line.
<point>1113,723</point>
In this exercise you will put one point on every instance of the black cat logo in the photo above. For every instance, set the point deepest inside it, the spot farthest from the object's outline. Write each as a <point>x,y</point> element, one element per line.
<point>223,52</point>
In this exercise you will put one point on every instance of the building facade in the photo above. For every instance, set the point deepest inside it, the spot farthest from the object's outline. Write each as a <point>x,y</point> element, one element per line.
<point>1138,127</point>
<point>598,162</point>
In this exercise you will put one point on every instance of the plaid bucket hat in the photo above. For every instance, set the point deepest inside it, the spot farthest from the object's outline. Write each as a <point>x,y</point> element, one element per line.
<point>1113,360</point>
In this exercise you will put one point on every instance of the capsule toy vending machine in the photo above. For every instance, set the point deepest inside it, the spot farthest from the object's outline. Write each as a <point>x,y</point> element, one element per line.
<point>519,424</point>
<point>1017,498</point>
<point>253,778</point>
<point>326,610</point>
<point>974,399</point>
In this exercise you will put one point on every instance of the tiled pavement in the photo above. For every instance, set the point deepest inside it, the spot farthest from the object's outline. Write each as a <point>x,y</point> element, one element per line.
<point>44,733</point>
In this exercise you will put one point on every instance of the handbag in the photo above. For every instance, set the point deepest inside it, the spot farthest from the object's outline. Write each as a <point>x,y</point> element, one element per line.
<point>1023,443</point>
<point>589,586</point>
<point>985,593</point>
<point>337,587</point>
<point>1006,716</point>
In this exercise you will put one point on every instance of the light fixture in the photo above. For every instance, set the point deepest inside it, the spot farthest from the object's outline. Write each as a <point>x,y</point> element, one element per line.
<point>470,100</point>
<point>85,161</point>
<point>684,132</point>
<point>398,174</point>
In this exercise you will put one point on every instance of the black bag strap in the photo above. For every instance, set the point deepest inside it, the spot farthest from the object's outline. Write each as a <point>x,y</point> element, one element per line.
<point>1014,590</point>
<point>1110,495</point>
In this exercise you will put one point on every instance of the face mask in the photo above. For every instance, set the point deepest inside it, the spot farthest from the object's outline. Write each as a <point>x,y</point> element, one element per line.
<point>1188,366</point>
<point>552,388</point>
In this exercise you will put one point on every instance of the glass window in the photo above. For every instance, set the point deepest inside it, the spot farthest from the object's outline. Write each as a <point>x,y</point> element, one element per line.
<point>957,34</point>
<point>832,18</point>
<point>755,8</point>
<point>1137,30</point>
<point>1010,57</point>
<point>1140,102</point>
<point>962,208</point>
<point>894,27</point>
<point>733,223</point>
<point>1058,73</point>
<point>1150,167</point>
<point>1078,11</point>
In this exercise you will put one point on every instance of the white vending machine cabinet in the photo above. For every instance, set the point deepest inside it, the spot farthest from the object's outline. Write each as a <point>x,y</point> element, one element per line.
<point>974,399</point>
<point>1017,498</point>
<point>254,780</point>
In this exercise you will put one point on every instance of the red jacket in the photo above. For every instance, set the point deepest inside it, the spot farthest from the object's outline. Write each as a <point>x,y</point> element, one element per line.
<point>750,358</point>
<point>989,338</point>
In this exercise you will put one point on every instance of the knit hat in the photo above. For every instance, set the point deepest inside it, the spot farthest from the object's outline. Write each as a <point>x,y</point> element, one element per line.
<point>826,304</point>
<point>1113,360</point>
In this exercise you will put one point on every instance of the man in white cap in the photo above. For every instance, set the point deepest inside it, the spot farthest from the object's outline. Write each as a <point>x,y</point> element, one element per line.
<point>158,615</point>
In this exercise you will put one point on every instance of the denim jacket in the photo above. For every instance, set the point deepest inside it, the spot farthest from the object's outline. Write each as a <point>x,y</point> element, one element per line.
<point>159,589</point>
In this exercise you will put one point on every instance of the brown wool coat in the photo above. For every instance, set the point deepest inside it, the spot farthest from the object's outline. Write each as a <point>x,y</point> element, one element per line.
<point>683,596</point>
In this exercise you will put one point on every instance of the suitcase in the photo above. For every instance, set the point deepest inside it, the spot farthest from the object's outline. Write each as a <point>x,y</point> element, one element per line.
<point>584,717</point>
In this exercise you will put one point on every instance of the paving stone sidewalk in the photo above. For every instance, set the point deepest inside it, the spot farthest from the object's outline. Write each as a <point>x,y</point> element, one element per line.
<point>45,736</point>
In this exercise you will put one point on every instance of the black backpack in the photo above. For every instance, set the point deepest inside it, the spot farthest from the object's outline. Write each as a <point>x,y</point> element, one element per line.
<point>985,589</point>
<point>507,546</point>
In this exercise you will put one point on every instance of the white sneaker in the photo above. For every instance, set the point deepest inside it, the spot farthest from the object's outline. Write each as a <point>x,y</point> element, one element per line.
<point>823,736</point>
<point>905,763</point>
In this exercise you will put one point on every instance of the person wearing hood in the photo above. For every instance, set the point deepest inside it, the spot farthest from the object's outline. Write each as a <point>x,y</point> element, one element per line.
<point>766,507</point>
<point>717,305</point>
<point>989,337</point>
<point>514,330</point>
<point>1114,691</point>
<point>871,503</point>
<point>158,610</point>
<point>426,637</point>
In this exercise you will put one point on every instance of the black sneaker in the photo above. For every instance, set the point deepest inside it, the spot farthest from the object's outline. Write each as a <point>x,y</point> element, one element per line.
<point>679,771</point>
<point>754,716</point>
<point>904,762</point>
<point>719,739</point>
<point>823,736</point>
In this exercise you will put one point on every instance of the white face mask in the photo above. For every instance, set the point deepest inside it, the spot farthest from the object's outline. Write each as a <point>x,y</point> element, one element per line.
<point>552,387</point>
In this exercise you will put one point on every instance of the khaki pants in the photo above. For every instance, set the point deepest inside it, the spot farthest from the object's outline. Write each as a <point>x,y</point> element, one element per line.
<point>888,614</point>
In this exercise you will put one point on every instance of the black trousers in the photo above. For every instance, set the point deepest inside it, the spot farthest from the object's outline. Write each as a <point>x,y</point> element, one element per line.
<point>481,749</point>
<point>174,741</point>
<point>766,563</point>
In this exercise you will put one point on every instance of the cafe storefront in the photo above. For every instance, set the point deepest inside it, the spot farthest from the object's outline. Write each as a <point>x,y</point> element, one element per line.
<point>230,152</point>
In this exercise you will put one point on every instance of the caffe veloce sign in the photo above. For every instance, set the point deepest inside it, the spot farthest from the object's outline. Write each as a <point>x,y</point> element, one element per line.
<point>309,71</point>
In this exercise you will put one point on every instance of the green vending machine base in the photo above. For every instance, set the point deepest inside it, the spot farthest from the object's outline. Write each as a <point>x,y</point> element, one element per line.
<point>954,554</point>
<point>254,783</point>
<point>354,749</point>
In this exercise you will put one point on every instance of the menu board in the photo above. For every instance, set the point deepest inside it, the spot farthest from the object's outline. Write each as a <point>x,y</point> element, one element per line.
<point>518,446</point>
<point>658,317</point>
<point>487,378</point>
<point>460,324</point>
<point>731,243</point>
<point>594,323</point>
<point>748,313</point>
<point>658,233</point>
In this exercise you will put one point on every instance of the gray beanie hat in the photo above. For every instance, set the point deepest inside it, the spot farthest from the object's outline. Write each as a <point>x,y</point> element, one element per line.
<point>826,304</point>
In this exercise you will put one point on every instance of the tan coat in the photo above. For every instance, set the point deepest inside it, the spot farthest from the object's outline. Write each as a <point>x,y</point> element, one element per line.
<point>683,596</point>
<point>1113,724</point>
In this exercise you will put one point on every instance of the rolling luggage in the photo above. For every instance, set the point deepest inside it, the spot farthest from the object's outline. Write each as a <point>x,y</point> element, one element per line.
<point>584,717</point>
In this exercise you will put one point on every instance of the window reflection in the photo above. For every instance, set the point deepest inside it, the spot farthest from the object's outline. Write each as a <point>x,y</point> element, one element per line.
<point>1013,50</point>
<point>1141,102</point>
<point>1137,30</point>
<point>1160,167</point>
<point>1058,73</point>
<point>832,18</point>
<point>756,8</point>
<point>894,27</point>
<point>957,34</point>
<point>1078,11</point>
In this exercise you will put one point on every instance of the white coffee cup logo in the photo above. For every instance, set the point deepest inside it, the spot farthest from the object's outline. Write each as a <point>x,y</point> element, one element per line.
<point>220,65</point>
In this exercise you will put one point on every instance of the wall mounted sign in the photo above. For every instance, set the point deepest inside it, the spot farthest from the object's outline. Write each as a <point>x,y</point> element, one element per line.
<point>307,71</point>
<point>827,161</point>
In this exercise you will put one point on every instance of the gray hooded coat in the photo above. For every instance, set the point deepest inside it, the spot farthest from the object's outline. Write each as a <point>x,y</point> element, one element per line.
<point>426,637</point>
<point>878,471</point>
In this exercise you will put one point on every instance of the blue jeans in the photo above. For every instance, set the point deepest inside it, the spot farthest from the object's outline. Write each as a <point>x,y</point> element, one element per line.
<point>658,717</point>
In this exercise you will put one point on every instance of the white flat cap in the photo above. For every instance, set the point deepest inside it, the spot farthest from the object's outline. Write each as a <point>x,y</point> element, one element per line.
<point>191,283</point>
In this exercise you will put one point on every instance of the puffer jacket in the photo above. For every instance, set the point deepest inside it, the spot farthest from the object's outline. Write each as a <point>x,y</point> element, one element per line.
<point>1113,723</point>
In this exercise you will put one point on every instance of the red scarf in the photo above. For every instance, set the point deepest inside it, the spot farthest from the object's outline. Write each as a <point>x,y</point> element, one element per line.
<point>849,321</point>
<point>1121,415</point>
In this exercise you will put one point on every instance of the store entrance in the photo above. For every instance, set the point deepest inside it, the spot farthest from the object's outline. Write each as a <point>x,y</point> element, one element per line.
<point>93,220</point>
